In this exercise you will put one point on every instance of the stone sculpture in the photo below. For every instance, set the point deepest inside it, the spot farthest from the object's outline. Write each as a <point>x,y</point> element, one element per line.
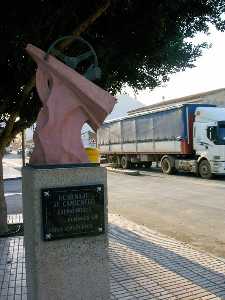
<point>69,100</point>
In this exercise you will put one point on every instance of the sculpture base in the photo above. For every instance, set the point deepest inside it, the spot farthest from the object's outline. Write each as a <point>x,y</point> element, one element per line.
<point>65,232</point>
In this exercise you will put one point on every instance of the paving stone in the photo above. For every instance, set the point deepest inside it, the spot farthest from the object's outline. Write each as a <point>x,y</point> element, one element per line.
<point>145,265</point>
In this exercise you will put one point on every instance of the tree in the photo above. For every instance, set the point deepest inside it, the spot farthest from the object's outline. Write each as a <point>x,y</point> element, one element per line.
<point>139,43</point>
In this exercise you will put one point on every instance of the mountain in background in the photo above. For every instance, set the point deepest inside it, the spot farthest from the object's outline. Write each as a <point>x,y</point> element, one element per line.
<point>125,103</point>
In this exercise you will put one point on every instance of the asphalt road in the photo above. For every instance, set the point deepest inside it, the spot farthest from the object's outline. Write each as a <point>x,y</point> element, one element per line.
<point>185,207</point>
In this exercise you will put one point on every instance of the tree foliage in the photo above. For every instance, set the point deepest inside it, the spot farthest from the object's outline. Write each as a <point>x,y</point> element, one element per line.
<point>139,43</point>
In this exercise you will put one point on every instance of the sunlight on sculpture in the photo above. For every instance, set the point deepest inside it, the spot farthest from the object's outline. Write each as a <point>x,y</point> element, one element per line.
<point>69,100</point>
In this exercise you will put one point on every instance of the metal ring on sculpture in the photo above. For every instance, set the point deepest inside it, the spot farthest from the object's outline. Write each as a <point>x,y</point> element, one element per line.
<point>93,72</point>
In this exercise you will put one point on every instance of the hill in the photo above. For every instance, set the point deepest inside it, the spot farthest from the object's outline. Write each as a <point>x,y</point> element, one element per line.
<point>125,103</point>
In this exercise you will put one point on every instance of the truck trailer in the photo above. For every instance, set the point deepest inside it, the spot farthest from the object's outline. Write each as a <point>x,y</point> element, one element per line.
<point>188,137</point>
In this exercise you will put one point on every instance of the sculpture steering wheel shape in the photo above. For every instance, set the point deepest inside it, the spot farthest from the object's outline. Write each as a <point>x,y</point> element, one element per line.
<point>69,100</point>
<point>92,73</point>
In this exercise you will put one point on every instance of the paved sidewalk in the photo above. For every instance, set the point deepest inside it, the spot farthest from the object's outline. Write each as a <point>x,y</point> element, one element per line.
<point>144,265</point>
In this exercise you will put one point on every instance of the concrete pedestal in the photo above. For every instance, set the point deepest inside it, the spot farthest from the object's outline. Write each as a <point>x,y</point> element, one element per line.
<point>70,268</point>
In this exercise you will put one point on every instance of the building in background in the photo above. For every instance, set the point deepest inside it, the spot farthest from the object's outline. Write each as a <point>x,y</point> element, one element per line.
<point>216,97</point>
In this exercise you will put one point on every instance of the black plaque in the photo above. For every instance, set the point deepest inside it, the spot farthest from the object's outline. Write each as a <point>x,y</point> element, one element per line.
<point>73,211</point>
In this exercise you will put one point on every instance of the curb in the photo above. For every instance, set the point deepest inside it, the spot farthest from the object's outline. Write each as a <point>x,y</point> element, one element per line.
<point>126,172</point>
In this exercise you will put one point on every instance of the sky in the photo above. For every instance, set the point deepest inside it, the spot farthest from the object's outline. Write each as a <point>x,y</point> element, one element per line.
<point>209,73</point>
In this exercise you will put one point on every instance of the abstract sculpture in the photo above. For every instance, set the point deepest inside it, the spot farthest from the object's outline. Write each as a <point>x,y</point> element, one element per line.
<point>69,100</point>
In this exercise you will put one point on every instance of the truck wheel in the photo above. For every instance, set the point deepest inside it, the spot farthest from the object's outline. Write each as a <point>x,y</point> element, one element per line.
<point>125,163</point>
<point>205,169</point>
<point>167,166</point>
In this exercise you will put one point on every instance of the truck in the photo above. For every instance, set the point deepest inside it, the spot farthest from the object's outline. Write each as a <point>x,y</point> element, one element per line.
<point>188,137</point>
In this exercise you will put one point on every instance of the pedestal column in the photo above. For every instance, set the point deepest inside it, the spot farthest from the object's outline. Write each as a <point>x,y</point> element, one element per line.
<point>65,232</point>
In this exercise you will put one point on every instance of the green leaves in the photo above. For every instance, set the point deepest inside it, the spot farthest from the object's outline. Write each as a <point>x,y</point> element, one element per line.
<point>139,43</point>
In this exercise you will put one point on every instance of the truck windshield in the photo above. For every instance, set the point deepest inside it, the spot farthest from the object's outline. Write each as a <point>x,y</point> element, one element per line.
<point>217,133</point>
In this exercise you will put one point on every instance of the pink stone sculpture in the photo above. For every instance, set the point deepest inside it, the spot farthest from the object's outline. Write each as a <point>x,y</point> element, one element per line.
<point>69,100</point>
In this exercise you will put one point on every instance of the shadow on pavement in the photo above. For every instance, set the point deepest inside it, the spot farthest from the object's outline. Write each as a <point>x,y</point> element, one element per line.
<point>13,185</point>
<point>155,170</point>
<point>209,280</point>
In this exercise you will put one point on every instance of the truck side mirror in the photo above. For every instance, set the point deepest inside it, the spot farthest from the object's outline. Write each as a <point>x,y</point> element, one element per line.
<point>211,133</point>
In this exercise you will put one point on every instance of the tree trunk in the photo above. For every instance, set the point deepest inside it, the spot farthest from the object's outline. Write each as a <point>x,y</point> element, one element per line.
<point>3,207</point>
<point>23,148</point>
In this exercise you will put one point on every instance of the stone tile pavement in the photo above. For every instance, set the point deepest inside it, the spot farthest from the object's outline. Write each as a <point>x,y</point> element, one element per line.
<point>144,265</point>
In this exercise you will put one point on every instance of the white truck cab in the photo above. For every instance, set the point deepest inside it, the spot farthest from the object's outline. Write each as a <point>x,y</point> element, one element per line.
<point>209,140</point>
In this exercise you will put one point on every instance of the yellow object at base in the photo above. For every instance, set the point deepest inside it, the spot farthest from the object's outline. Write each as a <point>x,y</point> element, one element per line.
<point>93,155</point>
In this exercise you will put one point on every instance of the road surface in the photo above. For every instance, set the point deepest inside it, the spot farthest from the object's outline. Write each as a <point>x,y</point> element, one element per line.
<point>187,208</point>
